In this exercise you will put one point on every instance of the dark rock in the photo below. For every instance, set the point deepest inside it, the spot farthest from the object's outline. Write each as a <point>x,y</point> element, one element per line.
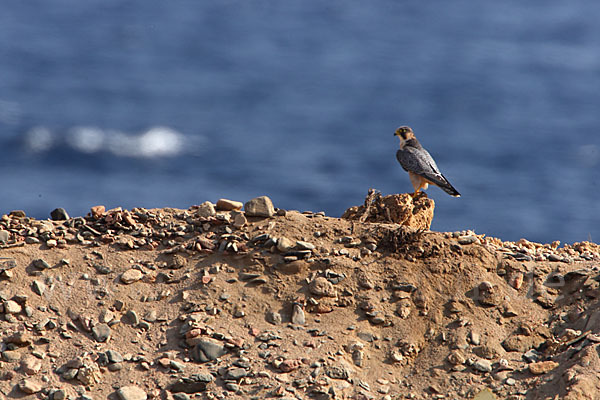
<point>114,356</point>
<point>101,332</point>
<point>208,350</point>
<point>191,384</point>
<point>59,214</point>
<point>259,207</point>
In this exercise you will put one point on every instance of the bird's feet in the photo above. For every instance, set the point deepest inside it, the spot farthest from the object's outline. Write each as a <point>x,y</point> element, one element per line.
<point>418,194</point>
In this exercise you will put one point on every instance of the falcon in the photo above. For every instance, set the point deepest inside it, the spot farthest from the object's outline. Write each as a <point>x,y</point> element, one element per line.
<point>419,164</point>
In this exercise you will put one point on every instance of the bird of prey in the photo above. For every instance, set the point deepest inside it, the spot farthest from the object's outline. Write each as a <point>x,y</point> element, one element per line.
<point>419,164</point>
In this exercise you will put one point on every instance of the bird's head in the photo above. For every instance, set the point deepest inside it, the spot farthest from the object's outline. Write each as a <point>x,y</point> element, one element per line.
<point>404,133</point>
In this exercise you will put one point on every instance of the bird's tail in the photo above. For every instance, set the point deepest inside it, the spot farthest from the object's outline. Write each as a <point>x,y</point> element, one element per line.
<point>448,188</point>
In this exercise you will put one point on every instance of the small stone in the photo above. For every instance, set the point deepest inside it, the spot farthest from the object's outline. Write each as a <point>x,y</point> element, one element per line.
<point>12,307</point>
<point>543,367</point>
<point>59,214</point>
<point>470,239</point>
<point>259,207</point>
<point>232,387</point>
<point>11,356</point>
<point>17,213</point>
<point>4,236</point>
<point>206,210</point>
<point>289,365</point>
<point>106,316</point>
<point>132,393</point>
<point>304,245</point>
<point>483,365</point>
<point>97,211</point>
<point>273,317</point>
<point>229,205</point>
<point>59,394</point>
<point>30,386</point>
<point>208,350</point>
<point>70,373</point>
<point>298,317</point>
<point>151,316</point>
<point>284,244</point>
<point>131,317</point>
<point>41,264</point>
<point>239,220</point>
<point>236,373</point>
<point>131,275</point>
<point>31,365</point>
<point>51,243</point>
<point>38,287</point>
<point>475,338</point>
<point>114,356</point>
<point>101,332</point>
<point>322,287</point>
<point>177,366</point>
<point>488,294</point>
<point>456,358</point>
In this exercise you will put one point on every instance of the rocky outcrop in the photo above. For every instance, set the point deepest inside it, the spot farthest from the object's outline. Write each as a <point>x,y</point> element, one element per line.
<point>401,209</point>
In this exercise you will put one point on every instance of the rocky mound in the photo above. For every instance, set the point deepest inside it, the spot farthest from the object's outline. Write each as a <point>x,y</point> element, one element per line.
<point>213,302</point>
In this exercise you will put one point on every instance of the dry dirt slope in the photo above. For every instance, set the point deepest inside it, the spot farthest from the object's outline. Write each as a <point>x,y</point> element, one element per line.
<point>205,303</point>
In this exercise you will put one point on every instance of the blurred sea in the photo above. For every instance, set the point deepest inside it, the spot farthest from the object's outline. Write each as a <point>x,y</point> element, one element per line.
<point>157,104</point>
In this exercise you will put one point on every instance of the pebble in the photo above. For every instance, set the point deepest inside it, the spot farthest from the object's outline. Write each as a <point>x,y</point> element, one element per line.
<point>97,211</point>
<point>31,365</point>
<point>114,356</point>
<point>131,317</point>
<point>470,239</point>
<point>542,367</point>
<point>298,317</point>
<point>151,316</point>
<point>208,350</point>
<point>236,373</point>
<point>12,307</point>
<point>304,245</point>
<point>483,365</point>
<point>284,244</point>
<point>30,386</point>
<point>239,220</point>
<point>131,275</point>
<point>101,332</point>
<point>59,214</point>
<point>259,207</point>
<point>321,287</point>
<point>273,317</point>
<point>4,236</point>
<point>41,264</point>
<point>206,210</point>
<point>488,294</point>
<point>132,393</point>
<point>229,205</point>
<point>38,287</point>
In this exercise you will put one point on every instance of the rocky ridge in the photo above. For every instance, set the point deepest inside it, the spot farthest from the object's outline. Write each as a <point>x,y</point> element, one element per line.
<point>215,302</point>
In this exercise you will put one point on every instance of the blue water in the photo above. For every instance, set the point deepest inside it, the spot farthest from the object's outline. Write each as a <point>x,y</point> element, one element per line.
<point>171,104</point>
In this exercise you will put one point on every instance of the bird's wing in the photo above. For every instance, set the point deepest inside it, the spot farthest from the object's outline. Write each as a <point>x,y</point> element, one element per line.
<point>420,162</point>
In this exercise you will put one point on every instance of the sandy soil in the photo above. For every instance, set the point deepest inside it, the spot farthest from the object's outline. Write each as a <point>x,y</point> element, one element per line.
<point>215,304</point>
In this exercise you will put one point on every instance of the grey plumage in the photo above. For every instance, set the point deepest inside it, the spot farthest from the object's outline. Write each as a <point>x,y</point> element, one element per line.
<point>414,158</point>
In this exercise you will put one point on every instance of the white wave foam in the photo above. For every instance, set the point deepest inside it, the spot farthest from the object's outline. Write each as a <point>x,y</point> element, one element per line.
<point>39,139</point>
<point>87,139</point>
<point>158,141</point>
